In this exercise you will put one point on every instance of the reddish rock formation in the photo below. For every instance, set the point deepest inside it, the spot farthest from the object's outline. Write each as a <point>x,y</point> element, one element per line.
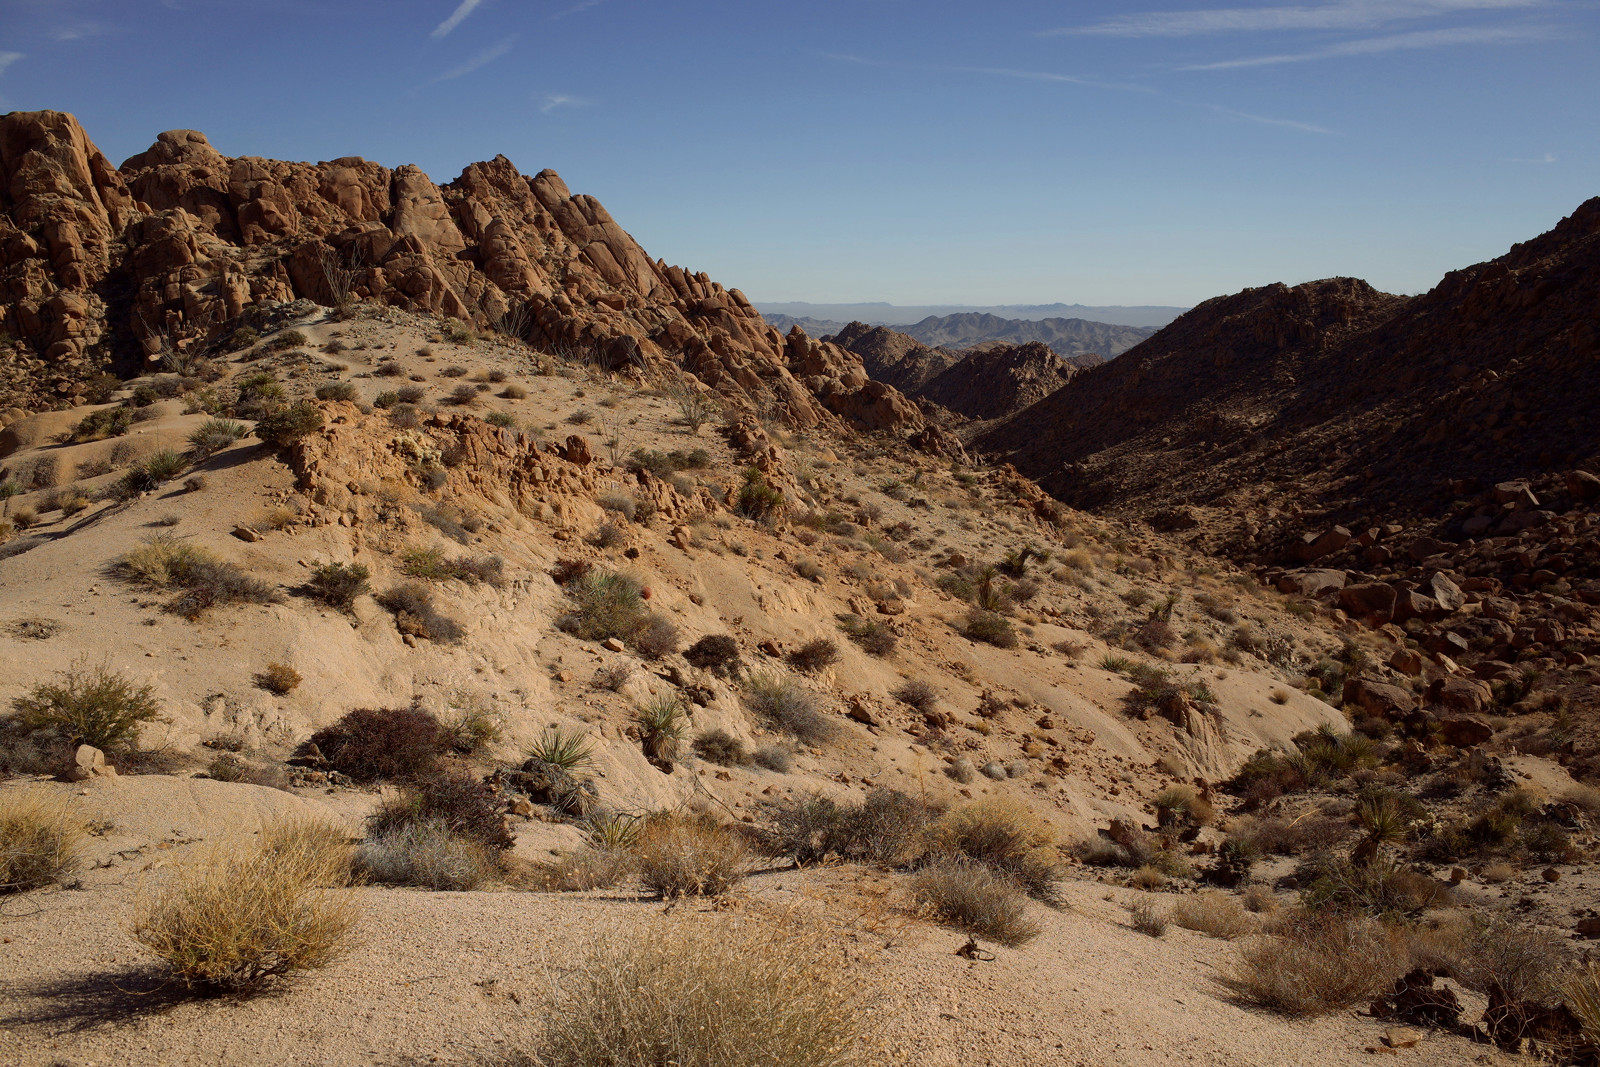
<point>98,262</point>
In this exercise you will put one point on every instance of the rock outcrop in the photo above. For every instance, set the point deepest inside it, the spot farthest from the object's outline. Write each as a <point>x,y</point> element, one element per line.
<point>104,267</point>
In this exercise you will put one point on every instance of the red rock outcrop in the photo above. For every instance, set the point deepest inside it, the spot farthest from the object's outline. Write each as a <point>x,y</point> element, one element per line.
<point>103,266</point>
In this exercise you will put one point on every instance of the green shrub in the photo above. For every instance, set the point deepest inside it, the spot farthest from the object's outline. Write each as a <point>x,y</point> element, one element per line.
<point>759,499</point>
<point>285,426</point>
<point>212,436</point>
<point>605,604</point>
<point>165,465</point>
<point>336,391</point>
<point>206,581</point>
<point>242,338</point>
<point>98,425</point>
<point>90,705</point>
<point>338,584</point>
<point>990,627</point>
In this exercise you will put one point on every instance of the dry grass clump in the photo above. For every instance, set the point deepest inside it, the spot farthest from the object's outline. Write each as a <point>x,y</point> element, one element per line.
<point>887,827</point>
<point>1006,837</point>
<point>89,705</point>
<point>1317,965</point>
<point>917,693</point>
<point>1581,993</point>
<point>1145,918</point>
<point>431,563</point>
<point>373,743</point>
<point>976,900</point>
<point>168,561</point>
<point>1214,914</point>
<point>682,855</point>
<point>415,614</point>
<point>719,746</point>
<point>244,915</point>
<point>425,853</point>
<point>279,678</point>
<point>711,991</point>
<point>587,868</point>
<point>40,839</point>
<point>782,701</point>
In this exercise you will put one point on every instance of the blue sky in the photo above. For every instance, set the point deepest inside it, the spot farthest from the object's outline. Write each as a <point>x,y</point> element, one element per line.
<point>920,152</point>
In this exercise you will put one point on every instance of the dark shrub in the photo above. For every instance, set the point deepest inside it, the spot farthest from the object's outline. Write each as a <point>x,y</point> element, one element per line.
<point>784,702</point>
<point>415,614</point>
<point>108,422</point>
<point>874,637</point>
<point>815,654</point>
<point>717,653</point>
<point>336,391</point>
<point>917,694</point>
<point>373,743</point>
<point>466,806</point>
<point>885,827</point>
<point>656,638</point>
<point>719,746</point>
<point>991,627</point>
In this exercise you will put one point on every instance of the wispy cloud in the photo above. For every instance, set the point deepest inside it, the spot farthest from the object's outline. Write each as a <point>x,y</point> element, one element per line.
<point>8,58</point>
<point>1337,15</point>
<point>578,8</point>
<point>482,59</point>
<point>552,101</point>
<point>1548,157</point>
<point>1049,77</point>
<point>1398,42</point>
<point>465,8</point>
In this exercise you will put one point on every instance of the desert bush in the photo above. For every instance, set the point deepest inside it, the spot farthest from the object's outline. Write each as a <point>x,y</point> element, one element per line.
<point>462,804</point>
<point>774,758</point>
<point>212,436</point>
<point>338,584</point>
<point>1214,914</point>
<point>917,693</point>
<point>717,653</point>
<point>604,604</point>
<point>279,678</point>
<point>386,399</point>
<point>814,655</point>
<point>474,727</point>
<point>990,627</point>
<point>1514,965</point>
<point>1145,918</point>
<point>107,422</point>
<point>432,563</point>
<point>874,637</point>
<point>1006,837</point>
<point>976,900</point>
<point>415,614</point>
<point>681,855</point>
<point>719,746</point>
<point>621,503</point>
<point>1290,837</point>
<point>514,392</point>
<point>1318,965</point>
<point>336,391</point>
<point>886,827</point>
<point>242,916</point>
<point>1581,993</point>
<point>284,426</point>
<point>410,394</point>
<point>242,338</point>
<point>711,992</point>
<point>315,846</point>
<point>503,419</point>
<point>586,868</point>
<point>425,853</point>
<point>166,560</point>
<point>658,637</point>
<point>783,702</point>
<point>661,725</point>
<point>95,706</point>
<point>1378,887</point>
<point>375,743</point>
<point>1181,804</point>
<point>41,840</point>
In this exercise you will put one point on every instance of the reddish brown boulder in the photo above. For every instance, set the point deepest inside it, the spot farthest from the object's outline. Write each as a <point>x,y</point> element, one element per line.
<point>1464,732</point>
<point>1379,698</point>
<point>1368,598</point>
<point>1583,485</point>
<point>1446,592</point>
<point>1316,545</point>
<point>1406,661</point>
<point>1466,695</point>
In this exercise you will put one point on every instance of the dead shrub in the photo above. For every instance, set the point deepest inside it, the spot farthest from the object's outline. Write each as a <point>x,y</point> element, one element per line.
<point>40,839</point>
<point>1214,914</point>
<point>681,855</point>
<point>814,655</point>
<point>917,693</point>
<point>1006,837</point>
<point>425,853</point>
<point>717,653</point>
<point>719,746</point>
<point>711,991</point>
<point>587,868</point>
<point>784,702</point>
<point>1143,917</point>
<point>886,827</point>
<point>242,916</point>
<point>976,900</point>
<point>1318,965</point>
<point>460,803</point>
<point>279,678</point>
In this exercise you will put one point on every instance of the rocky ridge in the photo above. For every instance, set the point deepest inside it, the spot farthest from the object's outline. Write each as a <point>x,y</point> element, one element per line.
<point>104,267</point>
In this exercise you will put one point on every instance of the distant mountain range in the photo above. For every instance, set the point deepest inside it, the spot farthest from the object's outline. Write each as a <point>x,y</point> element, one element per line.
<point>1068,337</point>
<point>833,317</point>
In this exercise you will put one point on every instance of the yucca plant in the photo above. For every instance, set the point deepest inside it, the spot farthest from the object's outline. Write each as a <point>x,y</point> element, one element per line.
<point>614,832</point>
<point>1382,823</point>
<point>568,749</point>
<point>661,723</point>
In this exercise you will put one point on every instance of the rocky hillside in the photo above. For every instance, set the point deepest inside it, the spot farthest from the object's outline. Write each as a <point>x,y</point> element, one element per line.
<point>983,382</point>
<point>1278,408</point>
<point>107,268</point>
<point>1068,337</point>
<point>997,380</point>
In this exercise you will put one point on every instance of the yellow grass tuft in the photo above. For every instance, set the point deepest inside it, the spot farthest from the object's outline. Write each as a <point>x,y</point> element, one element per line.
<point>40,838</point>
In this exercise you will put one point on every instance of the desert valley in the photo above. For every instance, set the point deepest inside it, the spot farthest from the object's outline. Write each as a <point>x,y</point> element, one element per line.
<point>436,631</point>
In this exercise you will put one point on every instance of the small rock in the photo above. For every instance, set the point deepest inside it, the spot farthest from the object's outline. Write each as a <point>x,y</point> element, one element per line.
<point>612,644</point>
<point>1402,1037</point>
<point>994,769</point>
<point>563,676</point>
<point>1550,874</point>
<point>245,533</point>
